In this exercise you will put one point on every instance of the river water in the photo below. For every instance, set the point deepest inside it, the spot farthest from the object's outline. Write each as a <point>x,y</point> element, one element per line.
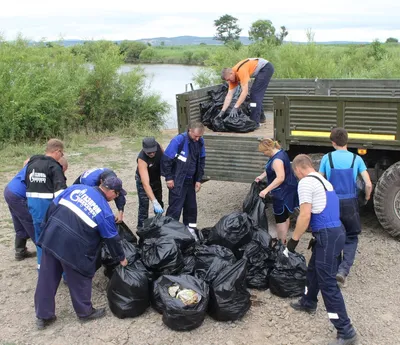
<point>168,80</point>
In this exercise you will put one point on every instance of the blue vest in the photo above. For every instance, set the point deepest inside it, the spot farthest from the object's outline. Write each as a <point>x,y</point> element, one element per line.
<point>17,185</point>
<point>342,180</point>
<point>76,222</point>
<point>284,195</point>
<point>330,216</point>
<point>92,177</point>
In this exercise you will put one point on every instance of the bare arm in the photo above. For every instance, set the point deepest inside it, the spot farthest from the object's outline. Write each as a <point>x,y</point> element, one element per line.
<point>303,221</point>
<point>144,177</point>
<point>368,184</point>
<point>243,95</point>
<point>279,169</point>
<point>228,99</point>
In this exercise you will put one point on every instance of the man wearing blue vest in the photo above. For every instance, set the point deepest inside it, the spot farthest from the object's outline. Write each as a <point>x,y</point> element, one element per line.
<point>341,168</point>
<point>319,208</point>
<point>182,165</point>
<point>93,177</point>
<point>76,223</point>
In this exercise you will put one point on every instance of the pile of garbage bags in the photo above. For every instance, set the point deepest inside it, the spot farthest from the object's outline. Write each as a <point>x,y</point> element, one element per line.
<point>209,111</point>
<point>185,277</point>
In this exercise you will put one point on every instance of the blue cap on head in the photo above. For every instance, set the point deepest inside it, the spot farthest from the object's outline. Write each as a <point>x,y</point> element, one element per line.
<point>114,183</point>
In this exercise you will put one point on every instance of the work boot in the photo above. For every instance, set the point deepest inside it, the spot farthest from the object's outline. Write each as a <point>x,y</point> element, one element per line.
<point>341,278</point>
<point>342,341</point>
<point>299,307</point>
<point>21,252</point>
<point>43,323</point>
<point>263,118</point>
<point>95,314</point>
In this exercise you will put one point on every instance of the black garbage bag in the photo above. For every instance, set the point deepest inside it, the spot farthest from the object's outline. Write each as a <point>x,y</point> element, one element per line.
<point>109,263</point>
<point>126,233</point>
<point>254,206</point>
<point>176,314</point>
<point>288,277</point>
<point>232,231</point>
<point>218,123</point>
<point>229,298</point>
<point>128,292</point>
<point>260,259</point>
<point>210,260</point>
<point>209,110</point>
<point>204,233</point>
<point>189,263</point>
<point>167,228</point>
<point>240,123</point>
<point>161,256</point>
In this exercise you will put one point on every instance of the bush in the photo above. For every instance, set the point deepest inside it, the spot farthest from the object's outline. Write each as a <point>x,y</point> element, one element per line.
<point>52,91</point>
<point>148,54</point>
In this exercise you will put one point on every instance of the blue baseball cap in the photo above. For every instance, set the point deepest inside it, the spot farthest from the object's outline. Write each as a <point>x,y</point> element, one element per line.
<point>114,183</point>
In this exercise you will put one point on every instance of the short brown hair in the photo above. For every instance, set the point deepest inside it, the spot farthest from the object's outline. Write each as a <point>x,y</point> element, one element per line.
<point>339,136</point>
<point>302,161</point>
<point>54,145</point>
<point>224,72</point>
<point>196,125</point>
<point>268,145</point>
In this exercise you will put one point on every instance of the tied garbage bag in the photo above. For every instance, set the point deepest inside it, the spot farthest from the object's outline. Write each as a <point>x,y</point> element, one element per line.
<point>183,300</point>
<point>240,123</point>
<point>167,228</point>
<point>109,263</point>
<point>209,110</point>
<point>189,263</point>
<point>210,260</point>
<point>229,298</point>
<point>128,292</point>
<point>161,256</point>
<point>288,277</point>
<point>126,233</point>
<point>254,206</point>
<point>260,260</point>
<point>232,231</point>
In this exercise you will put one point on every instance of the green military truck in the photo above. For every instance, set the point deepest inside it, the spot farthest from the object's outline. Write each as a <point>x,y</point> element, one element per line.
<point>300,114</point>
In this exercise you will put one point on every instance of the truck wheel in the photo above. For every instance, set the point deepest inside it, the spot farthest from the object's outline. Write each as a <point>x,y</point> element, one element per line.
<point>387,200</point>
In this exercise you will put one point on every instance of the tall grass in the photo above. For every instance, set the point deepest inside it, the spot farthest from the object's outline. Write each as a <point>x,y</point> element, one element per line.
<point>51,91</point>
<point>310,60</point>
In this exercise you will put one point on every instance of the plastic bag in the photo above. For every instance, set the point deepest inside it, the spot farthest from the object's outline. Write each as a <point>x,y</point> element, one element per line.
<point>254,206</point>
<point>168,228</point>
<point>210,260</point>
<point>240,123</point>
<point>229,298</point>
<point>189,263</point>
<point>128,292</point>
<point>288,277</point>
<point>126,233</point>
<point>176,314</point>
<point>161,256</point>
<point>232,231</point>
<point>109,263</point>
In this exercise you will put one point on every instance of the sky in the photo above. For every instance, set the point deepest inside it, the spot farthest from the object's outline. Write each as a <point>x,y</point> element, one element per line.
<point>339,20</point>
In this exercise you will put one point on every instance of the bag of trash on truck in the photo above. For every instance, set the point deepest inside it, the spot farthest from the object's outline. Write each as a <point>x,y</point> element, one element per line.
<point>288,276</point>
<point>240,123</point>
<point>232,231</point>
<point>183,301</point>
<point>229,298</point>
<point>128,291</point>
<point>168,228</point>
<point>161,256</point>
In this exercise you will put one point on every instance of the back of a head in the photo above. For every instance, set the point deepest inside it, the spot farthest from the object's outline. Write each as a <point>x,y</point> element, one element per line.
<point>196,125</point>
<point>54,145</point>
<point>268,145</point>
<point>339,136</point>
<point>302,161</point>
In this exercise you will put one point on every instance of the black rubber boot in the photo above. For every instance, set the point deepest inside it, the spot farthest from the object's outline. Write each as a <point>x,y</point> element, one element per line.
<point>21,252</point>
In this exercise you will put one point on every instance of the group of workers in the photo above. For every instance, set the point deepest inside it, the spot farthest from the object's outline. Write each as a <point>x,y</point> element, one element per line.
<point>68,224</point>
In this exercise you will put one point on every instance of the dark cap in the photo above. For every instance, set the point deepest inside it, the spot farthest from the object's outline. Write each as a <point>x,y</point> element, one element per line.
<point>149,144</point>
<point>112,182</point>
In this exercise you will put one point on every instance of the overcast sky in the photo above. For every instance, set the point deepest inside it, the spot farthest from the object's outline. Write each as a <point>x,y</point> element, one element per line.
<point>339,20</point>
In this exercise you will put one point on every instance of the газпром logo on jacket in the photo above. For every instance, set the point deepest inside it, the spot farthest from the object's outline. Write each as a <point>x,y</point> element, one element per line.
<point>37,177</point>
<point>81,199</point>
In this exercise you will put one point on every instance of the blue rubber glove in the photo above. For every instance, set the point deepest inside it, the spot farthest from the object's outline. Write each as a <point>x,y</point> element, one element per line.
<point>234,112</point>
<point>157,207</point>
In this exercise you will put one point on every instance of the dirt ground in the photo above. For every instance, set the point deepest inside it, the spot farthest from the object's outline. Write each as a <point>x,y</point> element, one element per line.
<point>371,295</point>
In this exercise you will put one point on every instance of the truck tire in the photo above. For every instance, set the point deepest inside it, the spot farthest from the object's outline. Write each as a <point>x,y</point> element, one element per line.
<point>387,200</point>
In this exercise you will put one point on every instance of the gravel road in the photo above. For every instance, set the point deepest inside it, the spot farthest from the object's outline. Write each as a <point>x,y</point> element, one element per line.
<point>371,294</point>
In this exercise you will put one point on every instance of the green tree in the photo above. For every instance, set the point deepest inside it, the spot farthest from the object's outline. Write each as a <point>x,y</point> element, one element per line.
<point>282,34</point>
<point>392,40</point>
<point>227,29</point>
<point>262,30</point>
<point>377,50</point>
<point>148,54</point>
<point>132,50</point>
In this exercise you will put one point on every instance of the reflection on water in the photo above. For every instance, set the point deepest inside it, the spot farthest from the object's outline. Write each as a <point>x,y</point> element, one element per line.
<point>168,80</point>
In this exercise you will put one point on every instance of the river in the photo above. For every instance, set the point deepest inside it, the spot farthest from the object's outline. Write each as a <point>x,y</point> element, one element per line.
<point>168,80</point>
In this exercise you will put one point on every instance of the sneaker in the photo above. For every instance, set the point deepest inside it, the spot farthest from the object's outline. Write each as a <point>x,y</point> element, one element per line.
<point>43,323</point>
<point>341,278</point>
<point>299,307</point>
<point>342,341</point>
<point>19,256</point>
<point>96,314</point>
